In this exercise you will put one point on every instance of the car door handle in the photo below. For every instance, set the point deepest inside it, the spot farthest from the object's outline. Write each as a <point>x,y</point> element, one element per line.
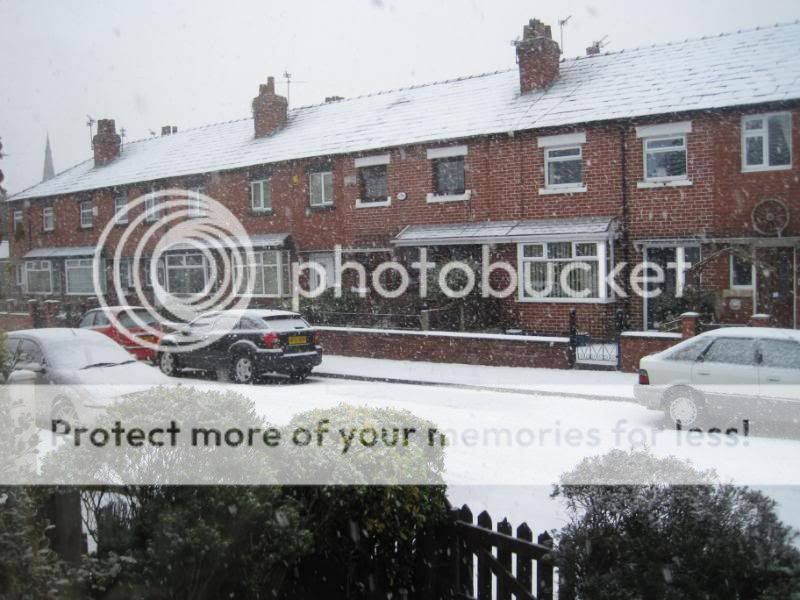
<point>704,373</point>
<point>773,379</point>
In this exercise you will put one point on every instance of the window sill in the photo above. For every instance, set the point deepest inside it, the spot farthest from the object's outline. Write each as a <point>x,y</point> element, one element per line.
<point>765,168</point>
<point>546,191</point>
<point>436,198</point>
<point>737,292</point>
<point>321,208</point>
<point>646,185</point>
<point>120,224</point>
<point>262,212</point>
<point>85,227</point>
<point>374,203</point>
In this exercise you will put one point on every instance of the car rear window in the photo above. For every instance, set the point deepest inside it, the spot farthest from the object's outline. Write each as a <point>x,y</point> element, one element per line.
<point>286,323</point>
<point>126,319</point>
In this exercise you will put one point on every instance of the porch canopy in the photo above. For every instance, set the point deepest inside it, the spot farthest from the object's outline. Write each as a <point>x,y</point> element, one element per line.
<point>62,252</point>
<point>496,232</point>
<point>265,240</point>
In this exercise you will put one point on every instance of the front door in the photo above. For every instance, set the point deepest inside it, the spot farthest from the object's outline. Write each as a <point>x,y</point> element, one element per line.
<point>775,284</point>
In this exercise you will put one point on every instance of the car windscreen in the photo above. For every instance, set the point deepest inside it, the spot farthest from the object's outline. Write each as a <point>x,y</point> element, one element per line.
<point>132,318</point>
<point>286,323</point>
<point>79,353</point>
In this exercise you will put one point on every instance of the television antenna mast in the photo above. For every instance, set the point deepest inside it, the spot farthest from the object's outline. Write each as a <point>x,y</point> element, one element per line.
<point>289,81</point>
<point>90,124</point>
<point>561,24</point>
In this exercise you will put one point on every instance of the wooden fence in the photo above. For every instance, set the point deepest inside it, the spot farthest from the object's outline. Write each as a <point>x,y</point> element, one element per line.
<point>499,565</point>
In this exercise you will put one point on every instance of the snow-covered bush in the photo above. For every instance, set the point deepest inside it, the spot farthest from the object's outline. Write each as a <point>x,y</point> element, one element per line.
<point>660,541</point>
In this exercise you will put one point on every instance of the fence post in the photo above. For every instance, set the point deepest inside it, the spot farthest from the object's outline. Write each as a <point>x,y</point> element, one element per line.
<point>544,570</point>
<point>525,565</point>
<point>504,558</point>
<point>573,336</point>
<point>465,565</point>
<point>484,570</point>
<point>619,326</point>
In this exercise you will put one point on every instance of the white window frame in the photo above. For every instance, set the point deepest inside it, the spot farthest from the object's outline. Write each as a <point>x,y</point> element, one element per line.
<point>18,219</point>
<point>86,208</point>
<point>264,187</point>
<point>38,266</point>
<point>160,272</point>
<point>279,262</point>
<point>121,212</point>
<point>48,219</point>
<point>196,208</point>
<point>323,200</point>
<point>380,160</point>
<point>152,210</point>
<point>19,275</point>
<point>176,267</point>
<point>603,254</point>
<point>461,151</point>
<point>763,133</point>
<point>647,151</point>
<point>578,186</point>
<point>126,282</point>
<point>732,284</point>
<point>72,264</point>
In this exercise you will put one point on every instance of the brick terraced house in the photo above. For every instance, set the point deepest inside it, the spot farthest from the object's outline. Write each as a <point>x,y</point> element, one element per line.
<point>681,155</point>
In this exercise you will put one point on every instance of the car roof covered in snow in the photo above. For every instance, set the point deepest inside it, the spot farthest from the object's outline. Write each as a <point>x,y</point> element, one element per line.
<point>754,332</point>
<point>258,313</point>
<point>737,69</point>
<point>49,335</point>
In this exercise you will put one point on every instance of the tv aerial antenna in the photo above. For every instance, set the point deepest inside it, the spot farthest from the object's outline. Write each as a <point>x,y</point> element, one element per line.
<point>289,81</point>
<point>561,24</point>
<point>90,124</point>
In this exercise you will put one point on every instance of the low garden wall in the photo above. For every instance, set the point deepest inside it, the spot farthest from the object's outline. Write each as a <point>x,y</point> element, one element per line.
<point>633,345</point>
<point>14,321</point>
<point>500,350</point>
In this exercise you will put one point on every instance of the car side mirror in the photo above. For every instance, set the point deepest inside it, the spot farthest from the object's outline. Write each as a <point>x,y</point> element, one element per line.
<point>700,358</point>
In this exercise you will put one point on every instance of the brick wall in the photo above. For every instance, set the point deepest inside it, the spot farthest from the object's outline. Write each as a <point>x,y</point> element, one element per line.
<point>635,345</point>
<point>15,321</point>
<point>447,347</point>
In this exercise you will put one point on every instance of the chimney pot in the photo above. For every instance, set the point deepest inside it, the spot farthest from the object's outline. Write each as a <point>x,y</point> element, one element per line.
<point>538,57</point>
<point>269,109</point>
<point>166,130</point>
<point>333,98</point>
<point>174,129</point>
<point>106,142</point>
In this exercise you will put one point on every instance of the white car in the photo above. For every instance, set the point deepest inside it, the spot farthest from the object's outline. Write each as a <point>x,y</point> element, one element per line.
<point>736,373</point>
<point>77,373</point>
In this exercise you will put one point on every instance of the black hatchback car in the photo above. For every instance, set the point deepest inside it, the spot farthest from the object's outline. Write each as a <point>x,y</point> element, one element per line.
<point>244,344</point>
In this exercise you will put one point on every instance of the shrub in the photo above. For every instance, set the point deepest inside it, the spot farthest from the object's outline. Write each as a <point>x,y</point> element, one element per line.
<point>670,541</point>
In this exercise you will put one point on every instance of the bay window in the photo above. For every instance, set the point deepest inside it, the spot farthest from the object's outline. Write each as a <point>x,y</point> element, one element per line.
<point>269,270</point>
<point>38,277</point>
<point>79,280</point>
<point>186,274</point>
<point>767,142</point>
<point>563,271</point>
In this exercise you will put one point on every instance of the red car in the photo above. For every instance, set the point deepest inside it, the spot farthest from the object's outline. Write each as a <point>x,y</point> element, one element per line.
<point>98,320</point>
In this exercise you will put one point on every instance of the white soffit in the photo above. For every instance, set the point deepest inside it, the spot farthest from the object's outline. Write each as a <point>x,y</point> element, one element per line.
<point>564,139</point>
<point>678,128</point>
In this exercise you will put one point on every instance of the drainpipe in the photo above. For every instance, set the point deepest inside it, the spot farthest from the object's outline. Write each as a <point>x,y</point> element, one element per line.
<point>626,242</point>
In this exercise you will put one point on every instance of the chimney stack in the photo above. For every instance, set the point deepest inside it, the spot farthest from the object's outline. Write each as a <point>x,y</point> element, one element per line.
<point>538,57</point>
<point>593,49</point>
<point>168,129</point>
<point>106,142</point>
<point>269,109</point>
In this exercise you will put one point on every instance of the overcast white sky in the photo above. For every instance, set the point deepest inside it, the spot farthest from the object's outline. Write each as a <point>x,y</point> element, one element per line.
<point>189,63</point>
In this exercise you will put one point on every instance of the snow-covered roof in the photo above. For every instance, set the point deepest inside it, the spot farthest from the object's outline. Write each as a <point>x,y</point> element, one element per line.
<point>747,67</point>
<point>54,252</point>
<point>499,231</point>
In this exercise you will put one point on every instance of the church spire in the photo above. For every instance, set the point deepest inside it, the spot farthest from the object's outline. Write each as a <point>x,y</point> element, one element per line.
<point>49,170</point>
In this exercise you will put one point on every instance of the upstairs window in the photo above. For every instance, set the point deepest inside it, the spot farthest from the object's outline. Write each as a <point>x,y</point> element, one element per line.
<point>448,176</point>
<point>373,185</point>
<point>320,188</point>
<point>152,209</point>
<point>87,214</point>
<point>121,209</point>
<point>563,167</point>
<point>196,204</point>
<point>767,142</point>
<point>449,180</point>
<point>261,195</point>
<point>19,217</point>
<point>665,158</point>
<point>48,219</point>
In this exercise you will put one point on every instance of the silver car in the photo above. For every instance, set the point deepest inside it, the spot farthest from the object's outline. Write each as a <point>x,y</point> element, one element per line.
<point>726,375</point>
<point>76,372</point>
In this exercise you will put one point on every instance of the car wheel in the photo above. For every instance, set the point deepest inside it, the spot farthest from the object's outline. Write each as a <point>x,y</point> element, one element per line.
<point>168,364</point>
<point>299,376</point>
<point>64,410</point>
<point>243,369</point>
<point>684,406</point>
